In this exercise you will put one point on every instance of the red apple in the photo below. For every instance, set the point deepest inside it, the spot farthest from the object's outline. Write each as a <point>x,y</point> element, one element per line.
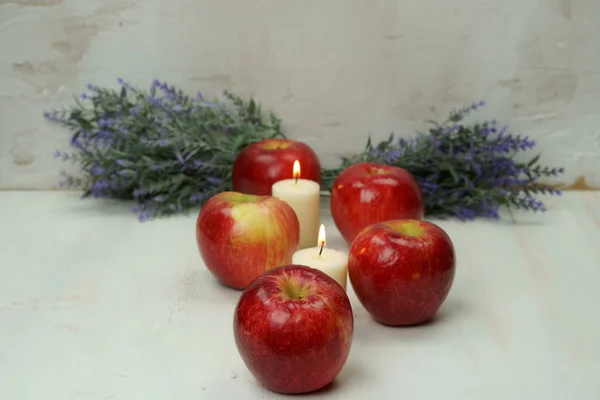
<point>368,193</point>
<point>293,328</point>
<point>402,270</point>
<point>261,164</point>
<point>240,236</point>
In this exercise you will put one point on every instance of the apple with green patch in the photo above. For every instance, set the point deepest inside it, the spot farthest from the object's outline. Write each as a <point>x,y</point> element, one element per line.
<point>240,236</point>
<point>259,165</point>
<point>402,270</point>
<point>293,327</point>
<point>367,193</point>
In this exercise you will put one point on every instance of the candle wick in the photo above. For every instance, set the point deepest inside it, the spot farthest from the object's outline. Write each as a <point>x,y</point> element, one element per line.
<point>322,245</point>
<point>296,180</point>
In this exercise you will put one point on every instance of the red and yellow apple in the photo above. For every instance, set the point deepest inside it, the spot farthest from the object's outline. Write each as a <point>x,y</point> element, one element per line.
<point>368,193</point>
<point>259,165</point>
<point>402,270</point>
<point>240,236</point>
<point>293,327</point>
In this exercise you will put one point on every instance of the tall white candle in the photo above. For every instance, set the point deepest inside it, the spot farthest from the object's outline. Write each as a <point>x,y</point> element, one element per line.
<point>303,196</point>
<point>333,263</point>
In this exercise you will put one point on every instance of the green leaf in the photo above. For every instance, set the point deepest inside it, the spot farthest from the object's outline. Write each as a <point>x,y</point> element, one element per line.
<point>251,107</point>
<point>239,141</point>
<point>533,161</point>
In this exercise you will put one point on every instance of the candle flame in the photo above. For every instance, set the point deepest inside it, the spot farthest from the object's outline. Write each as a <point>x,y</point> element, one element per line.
<point>321,240</point>
<point>296,170</point>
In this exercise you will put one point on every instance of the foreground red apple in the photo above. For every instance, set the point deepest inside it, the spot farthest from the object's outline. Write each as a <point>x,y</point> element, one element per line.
<point>402,270</point>
<point>240,236</point>
<point>293,327</point>
<point>368,193</point>
<point>261,164</point>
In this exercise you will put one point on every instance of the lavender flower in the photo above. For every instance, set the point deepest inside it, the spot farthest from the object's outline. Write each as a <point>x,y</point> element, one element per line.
<point>97,170</point>
<point>101,185</point>
<point>145,211</point>
<point>139,193</point>
<point>106,122</point>
<point>197,197</point>
<point>213,180</point>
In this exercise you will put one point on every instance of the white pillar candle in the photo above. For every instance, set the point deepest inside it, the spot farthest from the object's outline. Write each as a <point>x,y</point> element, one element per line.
<point>333,263</point>
<point>303,196</point>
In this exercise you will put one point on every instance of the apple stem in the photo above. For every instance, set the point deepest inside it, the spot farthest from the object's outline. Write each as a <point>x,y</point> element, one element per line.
<point>322,245</point>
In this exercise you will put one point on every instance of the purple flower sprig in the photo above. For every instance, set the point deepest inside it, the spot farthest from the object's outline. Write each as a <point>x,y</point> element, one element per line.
<point>466,170</point>
<point>164,149</point>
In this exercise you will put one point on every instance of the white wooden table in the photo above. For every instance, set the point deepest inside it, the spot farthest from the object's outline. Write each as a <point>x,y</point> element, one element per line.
<point>95,305</point>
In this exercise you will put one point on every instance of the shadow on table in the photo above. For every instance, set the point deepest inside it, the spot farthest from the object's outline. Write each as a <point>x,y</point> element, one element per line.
<point>452,309</point>
<point>120,208</point>
<point>352,375</point>
<point>448,317</point>
<point>522,222</point>
<point>102,206</point>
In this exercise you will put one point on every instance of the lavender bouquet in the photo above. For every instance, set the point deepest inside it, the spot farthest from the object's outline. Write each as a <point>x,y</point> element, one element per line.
<point>465,170</point>
<point>164,149</point>
<point>170,152</point>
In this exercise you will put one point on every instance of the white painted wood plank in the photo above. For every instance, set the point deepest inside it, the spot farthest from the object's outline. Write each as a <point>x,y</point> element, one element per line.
<point>95,305</point>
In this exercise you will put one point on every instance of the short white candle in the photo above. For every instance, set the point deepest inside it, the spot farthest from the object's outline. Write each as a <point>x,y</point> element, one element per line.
<point>333,263</point>
<point>303,196</point>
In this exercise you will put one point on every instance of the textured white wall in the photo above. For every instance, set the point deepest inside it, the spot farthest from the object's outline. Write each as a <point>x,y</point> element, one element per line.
<point>335,70</point>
